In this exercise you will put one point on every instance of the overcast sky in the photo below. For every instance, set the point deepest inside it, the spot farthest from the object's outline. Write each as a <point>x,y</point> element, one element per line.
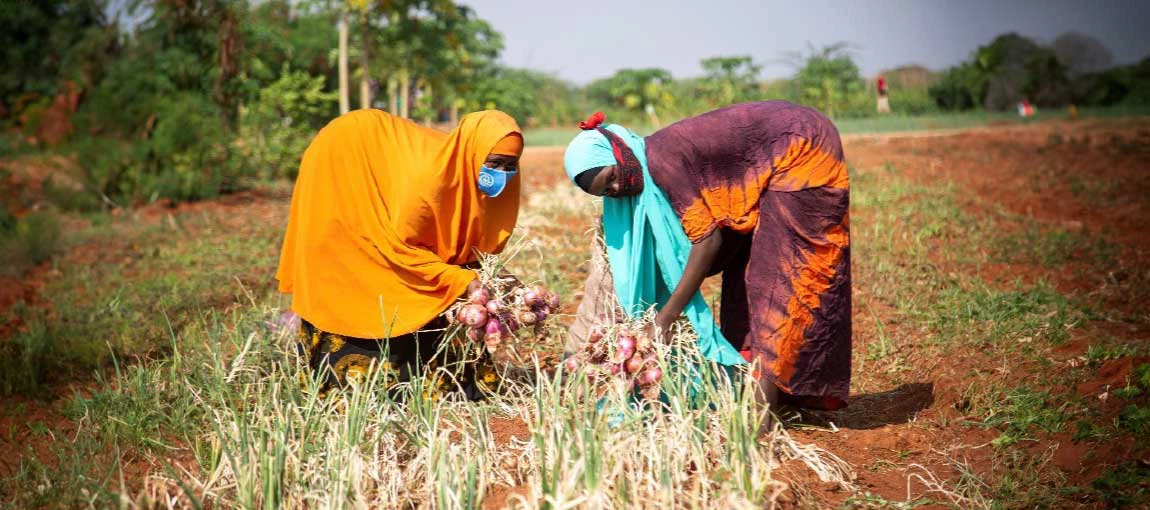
<point>585,40</point>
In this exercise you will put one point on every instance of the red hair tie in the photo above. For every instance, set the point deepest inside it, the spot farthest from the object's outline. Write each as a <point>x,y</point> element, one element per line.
<point>595,120</point>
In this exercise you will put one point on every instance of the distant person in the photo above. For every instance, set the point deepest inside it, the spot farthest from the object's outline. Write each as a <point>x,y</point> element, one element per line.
<point>883,101</point>
<point>1025,109</point>
<point>758,192</point>
<point>386,218</point>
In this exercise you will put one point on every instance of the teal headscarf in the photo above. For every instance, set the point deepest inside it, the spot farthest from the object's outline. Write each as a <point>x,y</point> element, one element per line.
<point>646,246</point>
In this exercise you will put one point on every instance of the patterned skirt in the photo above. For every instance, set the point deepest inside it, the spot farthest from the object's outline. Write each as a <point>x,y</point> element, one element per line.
<point>339,360</point>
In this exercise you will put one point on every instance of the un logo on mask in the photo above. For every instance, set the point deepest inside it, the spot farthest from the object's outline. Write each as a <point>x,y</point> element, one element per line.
<point>486,180</point>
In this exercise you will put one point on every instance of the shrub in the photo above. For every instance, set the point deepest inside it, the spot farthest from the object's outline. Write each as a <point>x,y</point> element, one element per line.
<point>275,131</point>
<point>28,240</point>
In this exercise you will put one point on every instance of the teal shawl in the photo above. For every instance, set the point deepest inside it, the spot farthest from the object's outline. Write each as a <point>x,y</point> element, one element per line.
<point>646,246</point>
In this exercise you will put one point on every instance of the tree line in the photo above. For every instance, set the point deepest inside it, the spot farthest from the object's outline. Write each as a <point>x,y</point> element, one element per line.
<point>185,99</point>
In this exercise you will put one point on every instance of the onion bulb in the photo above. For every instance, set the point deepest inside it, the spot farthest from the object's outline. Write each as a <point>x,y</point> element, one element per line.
<point>651,376</point>
<point>473,315</point>
<point>494,326</point>
<point>634,364</point>
<point>494,306</point>
<point>595,336</point>
<point>479,296</point>
<point>532,298</point>
<point>571,364</point>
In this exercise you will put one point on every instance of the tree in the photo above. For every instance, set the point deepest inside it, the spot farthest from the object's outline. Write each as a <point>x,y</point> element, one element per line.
<point>1002,64</point>
<point>635,90</point>
<point>43,42</point>
<point>1046,82</point>
<point>1081,54</point>
<point>730,79</point>
<point>959,88</point>
<point>828,78</point>
<point>530,96</point>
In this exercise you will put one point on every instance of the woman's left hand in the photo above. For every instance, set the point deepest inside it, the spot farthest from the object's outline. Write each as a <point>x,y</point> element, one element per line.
<point>660,330</point>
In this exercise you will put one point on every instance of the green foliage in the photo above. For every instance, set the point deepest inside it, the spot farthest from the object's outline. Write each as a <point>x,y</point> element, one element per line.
<point>187,156</point>
<point>435,53</point>
<point>532,97</point>
<point>28,240</point>
<point>830,80</point>
<point>43,42</point>
<point>1126,85</point>
<point>730,79</point>
<point>634,92</point>
<point>1011,68</point>
<point>277,35</point>
<point>1020,412</point>
<point>911,101</point>
<point>959,88</point>
<point>276,129</point>
<point>1125,486</point>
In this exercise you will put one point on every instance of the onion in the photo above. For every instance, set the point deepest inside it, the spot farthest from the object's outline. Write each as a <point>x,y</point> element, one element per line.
<point>553,301</point>
<point>626,341</point>
<point>540,315</point>
<point>616,368</point>
<point>596,336</point>
<point>473,315</point>
<point>527,317</point>
<point>634,364</point>
<point>624,354</point>
<point>494,326</point>
<point>473,335</point>
<point>509,321</point>
<point>532,297</point>
<point>651,376</point>
<point>479,296</point>
<point>571,364</point>
<point>494,306</point>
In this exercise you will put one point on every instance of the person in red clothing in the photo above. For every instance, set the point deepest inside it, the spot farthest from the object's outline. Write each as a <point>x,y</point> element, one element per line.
<point>883,102</point>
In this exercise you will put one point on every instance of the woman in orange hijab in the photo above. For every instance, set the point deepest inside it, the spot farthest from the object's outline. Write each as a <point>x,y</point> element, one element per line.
<point>386,218</point>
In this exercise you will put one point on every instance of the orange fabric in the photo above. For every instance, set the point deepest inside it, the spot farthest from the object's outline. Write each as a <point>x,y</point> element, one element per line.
<point>510,145</point>
<point>817,270</point>
<point>737,207</point>
<point>804,166</point>
<point>383,214</point>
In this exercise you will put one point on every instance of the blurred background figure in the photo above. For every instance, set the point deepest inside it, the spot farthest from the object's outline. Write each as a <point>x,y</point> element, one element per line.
<point>883,100</point>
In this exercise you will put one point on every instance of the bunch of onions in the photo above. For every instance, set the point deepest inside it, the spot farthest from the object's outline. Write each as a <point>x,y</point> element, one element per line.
<point>496,317</point>
<point>621,354</point>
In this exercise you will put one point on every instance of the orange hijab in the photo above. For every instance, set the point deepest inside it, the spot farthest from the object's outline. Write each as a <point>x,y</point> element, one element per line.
<point>383,214</point>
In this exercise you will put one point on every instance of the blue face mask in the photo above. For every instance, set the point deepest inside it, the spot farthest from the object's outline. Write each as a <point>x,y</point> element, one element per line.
<point>492,181</point>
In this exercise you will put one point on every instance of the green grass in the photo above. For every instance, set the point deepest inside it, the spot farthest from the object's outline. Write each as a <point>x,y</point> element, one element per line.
<point>1125,486</point>
<point>1053,247</point>
<point>1021,412</point>
<point>152,280</point>
<point>27,241</point>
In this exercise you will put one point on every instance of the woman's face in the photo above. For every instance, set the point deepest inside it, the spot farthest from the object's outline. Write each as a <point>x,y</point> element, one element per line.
<point>502,162</point>
<point>606,184</point>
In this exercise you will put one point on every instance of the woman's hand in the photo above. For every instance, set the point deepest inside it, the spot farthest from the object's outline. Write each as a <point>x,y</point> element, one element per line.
<point>660,329</point>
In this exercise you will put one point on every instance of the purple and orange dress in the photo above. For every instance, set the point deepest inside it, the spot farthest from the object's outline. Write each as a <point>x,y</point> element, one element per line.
<point>771,179</point>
